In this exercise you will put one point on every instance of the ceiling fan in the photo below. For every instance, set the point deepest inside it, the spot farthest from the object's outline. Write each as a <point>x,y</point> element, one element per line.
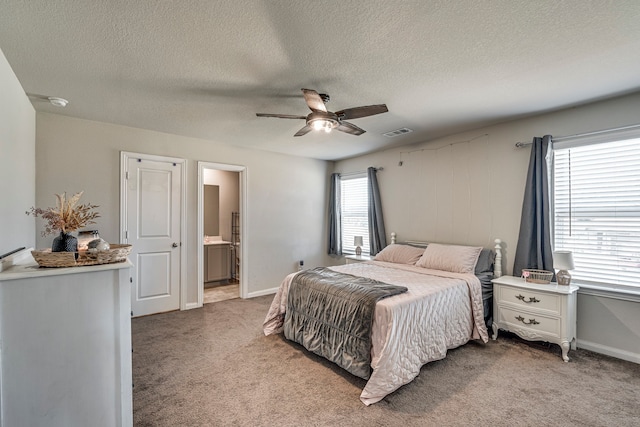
<point>322,119</point>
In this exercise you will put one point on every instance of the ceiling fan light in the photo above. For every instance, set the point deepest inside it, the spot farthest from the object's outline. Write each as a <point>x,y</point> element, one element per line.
<point>323,124</point>
<point>318,124</point>
<point>322,119</point>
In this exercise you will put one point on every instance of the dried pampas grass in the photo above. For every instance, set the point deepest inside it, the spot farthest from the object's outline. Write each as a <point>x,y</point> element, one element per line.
<point>67,216</point>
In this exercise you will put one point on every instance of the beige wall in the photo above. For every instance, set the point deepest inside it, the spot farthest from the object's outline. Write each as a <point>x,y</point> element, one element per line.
<point>468,188</point>
<point>17,162</point>
<point>609,325</point>
<point>286,195</point>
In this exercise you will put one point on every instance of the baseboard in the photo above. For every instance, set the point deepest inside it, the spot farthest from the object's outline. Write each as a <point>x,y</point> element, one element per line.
<point>191,305</point>
<point>609,351</point>
<point>263,292</point>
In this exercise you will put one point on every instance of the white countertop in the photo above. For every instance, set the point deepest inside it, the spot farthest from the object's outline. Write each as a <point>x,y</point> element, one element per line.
<point>26,267</point>
<point>216,242</point>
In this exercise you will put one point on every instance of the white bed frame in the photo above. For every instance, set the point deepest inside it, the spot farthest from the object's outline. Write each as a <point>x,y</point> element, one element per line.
<point>497,265</point>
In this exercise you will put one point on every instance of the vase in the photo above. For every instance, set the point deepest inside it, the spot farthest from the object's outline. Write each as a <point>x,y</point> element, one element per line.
<point>65,242</point>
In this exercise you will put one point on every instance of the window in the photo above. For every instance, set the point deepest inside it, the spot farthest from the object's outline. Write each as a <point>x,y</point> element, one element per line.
<point>354,202</point>
<point>597,208</point>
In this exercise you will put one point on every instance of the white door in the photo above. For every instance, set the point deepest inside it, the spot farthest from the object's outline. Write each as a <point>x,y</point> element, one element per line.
<point>153,225</point>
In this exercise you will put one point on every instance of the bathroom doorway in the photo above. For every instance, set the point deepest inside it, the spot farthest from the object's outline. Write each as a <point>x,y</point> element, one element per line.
<point>221,249</point>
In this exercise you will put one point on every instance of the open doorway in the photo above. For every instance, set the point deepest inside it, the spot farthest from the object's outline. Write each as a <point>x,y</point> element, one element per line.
<point>221,230</point>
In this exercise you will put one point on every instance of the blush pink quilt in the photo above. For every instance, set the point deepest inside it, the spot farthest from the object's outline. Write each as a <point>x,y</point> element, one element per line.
<point>440,311</point>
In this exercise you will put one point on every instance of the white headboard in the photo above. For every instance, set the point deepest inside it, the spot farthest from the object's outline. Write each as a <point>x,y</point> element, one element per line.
<point>497,265</point>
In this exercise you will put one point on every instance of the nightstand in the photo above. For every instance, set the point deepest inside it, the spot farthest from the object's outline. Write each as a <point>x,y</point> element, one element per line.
<point>352,259</point>
<point>536,312</point>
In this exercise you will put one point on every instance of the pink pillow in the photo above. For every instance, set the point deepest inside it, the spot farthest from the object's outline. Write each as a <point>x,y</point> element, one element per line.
<point>400,254</point>
<point>453,258</point>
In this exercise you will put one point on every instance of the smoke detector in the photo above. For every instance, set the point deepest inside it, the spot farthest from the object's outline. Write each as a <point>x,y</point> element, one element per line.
<point>57,102</point>
<point>53,100</point>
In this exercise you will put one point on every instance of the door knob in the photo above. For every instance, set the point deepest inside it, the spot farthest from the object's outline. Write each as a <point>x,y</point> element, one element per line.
<point>175,245</point>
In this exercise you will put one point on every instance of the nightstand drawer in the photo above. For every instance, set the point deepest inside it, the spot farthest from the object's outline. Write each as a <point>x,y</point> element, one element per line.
<point>535,323</point>
<point>533,300</point>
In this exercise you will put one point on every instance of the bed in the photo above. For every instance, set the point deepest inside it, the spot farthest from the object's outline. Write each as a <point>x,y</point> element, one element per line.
<point>446,302</point>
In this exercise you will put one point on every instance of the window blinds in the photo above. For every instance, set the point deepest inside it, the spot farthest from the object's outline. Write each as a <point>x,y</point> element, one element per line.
<point>355,220</point>
<point>597,210</point>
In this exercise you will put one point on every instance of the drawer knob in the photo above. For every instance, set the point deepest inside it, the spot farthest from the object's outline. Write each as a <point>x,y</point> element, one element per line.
<point>530,322</point>
<point>531,299</point>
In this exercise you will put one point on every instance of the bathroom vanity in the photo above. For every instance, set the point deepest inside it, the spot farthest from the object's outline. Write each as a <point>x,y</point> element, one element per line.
<point>217,260</point>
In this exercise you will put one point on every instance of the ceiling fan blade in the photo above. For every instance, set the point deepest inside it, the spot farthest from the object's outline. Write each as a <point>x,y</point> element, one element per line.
<point>350,128</point>
<point>305,130</point>
<point>281,116</point>
<point>357,112</point>
<point>314,101</point>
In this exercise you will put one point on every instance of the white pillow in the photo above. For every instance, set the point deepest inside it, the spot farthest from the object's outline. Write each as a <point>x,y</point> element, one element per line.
<point>453,258</point>
<point>400,254</point>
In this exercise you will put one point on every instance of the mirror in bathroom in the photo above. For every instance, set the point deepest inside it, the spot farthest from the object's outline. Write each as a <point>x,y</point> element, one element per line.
<point>212,210</point>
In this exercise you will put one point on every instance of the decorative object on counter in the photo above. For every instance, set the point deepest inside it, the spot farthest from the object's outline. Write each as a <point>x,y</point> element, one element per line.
<point>98,244</point>
<point>112,253</point>
<point>542,277</point>
<point>65,242</point>
<point>115,253</point>
<point>357,242</point>
<point>66,217</point>
<point>85,236</point>
<point>563,261</point>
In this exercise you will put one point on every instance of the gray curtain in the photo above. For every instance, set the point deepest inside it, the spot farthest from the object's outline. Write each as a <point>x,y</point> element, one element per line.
<point>335,238</point>
<point>534,240</point>
<point>377,237</point>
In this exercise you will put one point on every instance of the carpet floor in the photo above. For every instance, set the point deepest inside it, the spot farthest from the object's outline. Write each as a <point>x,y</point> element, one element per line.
<point>214,367</point>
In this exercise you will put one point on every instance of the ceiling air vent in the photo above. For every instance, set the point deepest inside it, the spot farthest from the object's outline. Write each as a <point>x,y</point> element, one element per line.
<point>397,132</point>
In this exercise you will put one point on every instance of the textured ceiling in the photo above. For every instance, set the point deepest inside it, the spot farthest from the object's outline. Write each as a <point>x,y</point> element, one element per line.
<point>204,68</point>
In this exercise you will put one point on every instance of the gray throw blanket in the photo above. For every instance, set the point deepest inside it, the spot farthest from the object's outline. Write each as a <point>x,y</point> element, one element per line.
<point>331,314</point>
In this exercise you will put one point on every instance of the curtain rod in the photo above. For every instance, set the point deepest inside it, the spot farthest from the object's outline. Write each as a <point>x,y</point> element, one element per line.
<point>597,132</point>
<point>360,172</point>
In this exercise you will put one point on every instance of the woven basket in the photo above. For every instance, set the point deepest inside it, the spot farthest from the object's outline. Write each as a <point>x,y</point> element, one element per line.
<point>542,277</point>
<point>46,258</point>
